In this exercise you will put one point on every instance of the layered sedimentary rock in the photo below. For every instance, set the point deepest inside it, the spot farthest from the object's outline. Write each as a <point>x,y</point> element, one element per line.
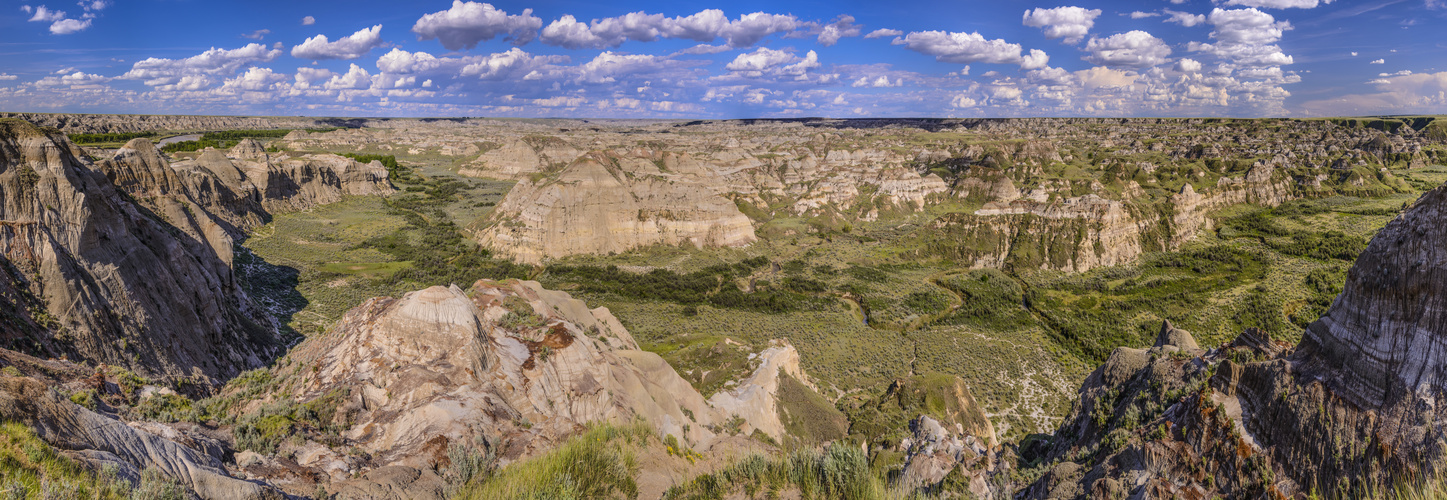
<point>109,273</point>
<point>510,365</point>
<point>590,208</point>
<point>1353,410</point>
<point>215,199</point>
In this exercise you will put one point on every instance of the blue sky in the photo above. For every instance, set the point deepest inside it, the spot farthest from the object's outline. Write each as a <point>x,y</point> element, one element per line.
<point>692,59</point>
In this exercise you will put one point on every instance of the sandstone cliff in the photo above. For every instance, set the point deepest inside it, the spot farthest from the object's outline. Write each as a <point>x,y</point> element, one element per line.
<point>590,208</point>
<point>109,273</point>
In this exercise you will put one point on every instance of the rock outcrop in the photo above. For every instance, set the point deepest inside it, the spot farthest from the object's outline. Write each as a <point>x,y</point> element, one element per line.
<point>511,365</point>
<point>1353,410</point>
<point>98,440</point>
<point>109,273</point>
<point>590,208</point>
<point>215,199</point>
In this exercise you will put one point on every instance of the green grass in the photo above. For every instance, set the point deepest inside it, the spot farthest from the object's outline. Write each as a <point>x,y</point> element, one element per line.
<point>32,469</point>
<point>597,463</point>
<point>839,471</point>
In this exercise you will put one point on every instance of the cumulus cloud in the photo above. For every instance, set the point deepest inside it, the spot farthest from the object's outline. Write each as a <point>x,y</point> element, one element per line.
<point>59,23</point>
<point>1070,23</point>
<point>351,47</point>
<point>704,26</point>
<point>1186,65</point>
<point>883,33</point>
<point>467,23</point>
<point>1279,4</point>
<point>843,27</point>
<point>159,71</point>
<point>970,48</point>
<point>1379,61</point>
<point>257,35</point>
<point>73,80</point>
<point>881,81</point>
<point>513,63</point>
<point>1143,15</point>
<point>254,79</point>
<point>765,60</point>
<point>45,15</point>
<point>68,26</point>
<point>1186,19</point>
<point>308,21</point>
<point>1245,37</point>
<point>608,32</point>
<point>1132,49</point>
<point>7,77</point>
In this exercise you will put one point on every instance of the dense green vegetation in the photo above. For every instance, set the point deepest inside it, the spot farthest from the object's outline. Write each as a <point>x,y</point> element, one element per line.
<point>714,285</point>
<point>108,137</point>
<point>226,139</point>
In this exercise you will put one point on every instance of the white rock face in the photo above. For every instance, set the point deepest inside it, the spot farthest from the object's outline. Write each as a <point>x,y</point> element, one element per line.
<point>592,209</point>
<point>755,399</point>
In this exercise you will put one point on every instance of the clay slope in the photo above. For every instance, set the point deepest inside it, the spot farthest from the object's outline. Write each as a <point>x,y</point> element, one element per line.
<point>117,284</point>
<point>603,204</point>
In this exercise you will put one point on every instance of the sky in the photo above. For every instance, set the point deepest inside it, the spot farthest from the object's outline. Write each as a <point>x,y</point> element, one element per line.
<point>737,59</point>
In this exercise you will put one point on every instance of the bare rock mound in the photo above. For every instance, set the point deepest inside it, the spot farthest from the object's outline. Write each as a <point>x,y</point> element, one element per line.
<point>592,209</point>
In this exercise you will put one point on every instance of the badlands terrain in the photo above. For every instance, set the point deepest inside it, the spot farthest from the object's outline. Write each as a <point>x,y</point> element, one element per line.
<point>255,307</point>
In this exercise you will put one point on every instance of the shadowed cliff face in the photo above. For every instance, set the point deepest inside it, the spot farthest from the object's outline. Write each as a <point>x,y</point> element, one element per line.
<point>114,282</point>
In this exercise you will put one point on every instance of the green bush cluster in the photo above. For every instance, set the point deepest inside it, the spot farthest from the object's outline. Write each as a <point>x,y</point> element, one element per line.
<point>714,285</point>
<point>108,137</point>
<point>839,471</point>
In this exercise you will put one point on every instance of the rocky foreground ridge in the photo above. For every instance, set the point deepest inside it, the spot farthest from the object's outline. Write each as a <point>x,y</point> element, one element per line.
<point>1352,410</point>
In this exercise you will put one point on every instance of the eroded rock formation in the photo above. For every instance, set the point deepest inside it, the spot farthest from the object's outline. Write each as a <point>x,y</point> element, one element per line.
<point>108,273</point>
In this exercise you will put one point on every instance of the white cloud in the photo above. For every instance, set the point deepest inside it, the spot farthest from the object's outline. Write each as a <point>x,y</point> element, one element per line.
<point>1354,54</point>
<point>1186,65</point>
<point>1186,19</point>
<point>467,23</point>
<point>843,27</point>
<point>704,26</point>
<point>1378,61</point>
<point>883,32</point>
<point>1245,37</point>
<point>7,77</point>
<point>45,15</point>
<point>308,21</point>
<point>159,71</point>
<point>753,63</point>
<point>1278,4</point>
<point>1132,49</point>
<point>73,80</point>
<point>970,48</point>
<point>351,47</point>
<point>257,35</point>
<point>513,63</point>
<point>1143,15</point>
<point>1414,93</point>
<point>608,32</point>
<point>254,79</point>
<point>401,61</point>
<point>1070,23</point>
<point>879,82</point>
<point>355,78</point>
<point>68,26</point>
